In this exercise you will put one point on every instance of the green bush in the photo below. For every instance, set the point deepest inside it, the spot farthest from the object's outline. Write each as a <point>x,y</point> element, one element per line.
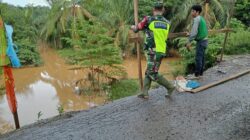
<point>242,9</point>
<point>27,23</point>
<point>123,88</point>
<point>28,53</point>
<point>238,43</point>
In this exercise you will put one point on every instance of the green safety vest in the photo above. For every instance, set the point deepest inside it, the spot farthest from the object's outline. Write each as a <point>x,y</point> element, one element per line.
<point>160,30</point>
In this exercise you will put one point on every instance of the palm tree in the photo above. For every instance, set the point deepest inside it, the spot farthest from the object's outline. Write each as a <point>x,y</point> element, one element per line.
<point>116,15</point>
<point>63,17</point>
<point>229,8</point>
<point>214,10</point>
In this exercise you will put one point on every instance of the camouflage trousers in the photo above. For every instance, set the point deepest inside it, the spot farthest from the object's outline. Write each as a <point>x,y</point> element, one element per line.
<point>153,63</point>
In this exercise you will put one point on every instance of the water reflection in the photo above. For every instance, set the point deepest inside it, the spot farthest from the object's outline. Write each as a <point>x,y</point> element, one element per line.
<point>43,98</point>
<point>45,89</point>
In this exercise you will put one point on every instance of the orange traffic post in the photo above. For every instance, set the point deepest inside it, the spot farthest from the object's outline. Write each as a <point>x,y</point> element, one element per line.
<point>10,93</point>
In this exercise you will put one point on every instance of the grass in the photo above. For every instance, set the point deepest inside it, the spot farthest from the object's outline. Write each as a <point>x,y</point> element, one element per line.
<point>123,88</point>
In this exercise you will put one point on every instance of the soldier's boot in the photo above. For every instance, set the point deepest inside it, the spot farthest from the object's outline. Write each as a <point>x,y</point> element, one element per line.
<point>146,86</point>
<point>164,82</point>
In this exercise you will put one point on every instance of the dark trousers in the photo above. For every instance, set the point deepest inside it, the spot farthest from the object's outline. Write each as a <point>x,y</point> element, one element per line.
<point>200,57</point>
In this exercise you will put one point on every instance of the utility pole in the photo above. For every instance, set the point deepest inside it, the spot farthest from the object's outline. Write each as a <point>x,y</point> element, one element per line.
<point>137,44</point>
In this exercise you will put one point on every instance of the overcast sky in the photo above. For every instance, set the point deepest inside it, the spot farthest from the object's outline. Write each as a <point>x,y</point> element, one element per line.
<point>25,2</point>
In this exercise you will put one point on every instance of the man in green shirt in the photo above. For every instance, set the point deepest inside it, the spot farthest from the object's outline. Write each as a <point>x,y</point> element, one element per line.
<point>156,28</point>
<point>199,33</point>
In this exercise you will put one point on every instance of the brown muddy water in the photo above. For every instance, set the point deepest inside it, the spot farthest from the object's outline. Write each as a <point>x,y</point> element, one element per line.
<point>43,89</point>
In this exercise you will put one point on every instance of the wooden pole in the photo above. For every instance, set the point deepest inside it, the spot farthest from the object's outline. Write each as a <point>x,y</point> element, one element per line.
<point>137,45</point>
<point>219,82</point>
<point>206,9</point>
<point>224,46</point>
<point>184,34</point>
<point>228,26</point>
<point>210,32</point>
<point>15,115</point>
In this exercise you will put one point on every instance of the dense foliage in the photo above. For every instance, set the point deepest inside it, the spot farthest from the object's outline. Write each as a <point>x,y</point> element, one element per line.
<point>28,53</point>
<point>27,23</point>
<point>242,11</point>
<point>95,52</point>
<point>238,42</point>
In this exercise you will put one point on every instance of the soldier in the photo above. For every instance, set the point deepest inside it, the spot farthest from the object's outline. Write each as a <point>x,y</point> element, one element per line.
<point>156,28</point>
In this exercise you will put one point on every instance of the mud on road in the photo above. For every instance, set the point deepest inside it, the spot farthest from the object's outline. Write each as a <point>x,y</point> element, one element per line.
<point>218,113</point>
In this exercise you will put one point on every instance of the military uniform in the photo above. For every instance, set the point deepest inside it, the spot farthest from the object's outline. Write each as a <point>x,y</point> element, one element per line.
<point>156,29</point>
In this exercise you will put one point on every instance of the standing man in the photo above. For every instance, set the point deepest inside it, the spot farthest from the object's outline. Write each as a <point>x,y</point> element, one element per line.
<point>156,28</point>
<point>199,33</point>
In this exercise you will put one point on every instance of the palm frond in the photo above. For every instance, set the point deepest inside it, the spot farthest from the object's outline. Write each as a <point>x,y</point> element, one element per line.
<point>182,14</point>
<point>219,11</point>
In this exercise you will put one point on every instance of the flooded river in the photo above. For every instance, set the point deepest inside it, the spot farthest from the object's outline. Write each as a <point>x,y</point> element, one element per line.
<point>44,89</point>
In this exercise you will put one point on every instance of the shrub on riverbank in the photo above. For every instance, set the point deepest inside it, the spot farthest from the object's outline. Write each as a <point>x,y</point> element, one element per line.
<point>28,53</point>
